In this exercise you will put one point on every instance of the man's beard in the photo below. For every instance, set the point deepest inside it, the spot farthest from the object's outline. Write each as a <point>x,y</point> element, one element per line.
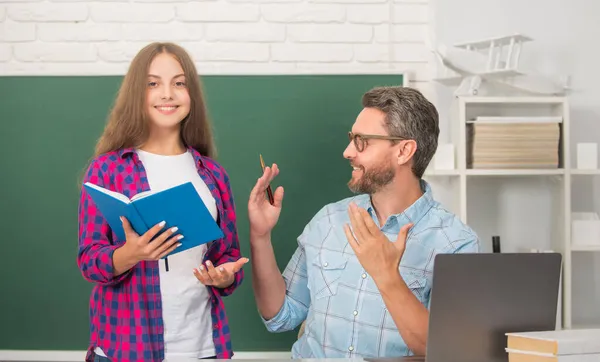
<point>372,180</point>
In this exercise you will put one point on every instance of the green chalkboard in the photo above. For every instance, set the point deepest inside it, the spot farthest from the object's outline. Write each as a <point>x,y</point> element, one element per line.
<point>48,129</point>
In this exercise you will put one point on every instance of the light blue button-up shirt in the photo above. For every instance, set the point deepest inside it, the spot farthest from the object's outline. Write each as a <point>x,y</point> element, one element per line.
<point>326,285</point>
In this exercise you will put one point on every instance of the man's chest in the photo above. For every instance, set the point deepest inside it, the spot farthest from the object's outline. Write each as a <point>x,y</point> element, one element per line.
<point>338,281</point>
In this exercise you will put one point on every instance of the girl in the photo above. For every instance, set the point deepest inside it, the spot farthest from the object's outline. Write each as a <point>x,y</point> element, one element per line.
<point>158,136</point>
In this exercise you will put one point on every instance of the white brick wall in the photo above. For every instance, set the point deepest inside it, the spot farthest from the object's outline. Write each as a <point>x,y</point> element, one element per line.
<point>72,37</point>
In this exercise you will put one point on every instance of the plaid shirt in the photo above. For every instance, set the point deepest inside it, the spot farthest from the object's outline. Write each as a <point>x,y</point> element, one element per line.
<point>125,310</point>
<point>326,284</point>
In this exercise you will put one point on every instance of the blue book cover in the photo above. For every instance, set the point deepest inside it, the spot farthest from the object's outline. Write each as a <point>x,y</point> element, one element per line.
<point>179,206</point>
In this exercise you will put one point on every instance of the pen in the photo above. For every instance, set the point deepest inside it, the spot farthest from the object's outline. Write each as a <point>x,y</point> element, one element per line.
<point>269,191</point>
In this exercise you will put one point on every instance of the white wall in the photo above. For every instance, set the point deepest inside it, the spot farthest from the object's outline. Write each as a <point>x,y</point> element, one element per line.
<point>565,42</point>
<point>223,36</point>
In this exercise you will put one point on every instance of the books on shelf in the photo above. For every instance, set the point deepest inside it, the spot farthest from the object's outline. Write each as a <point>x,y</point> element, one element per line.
<point>513,142</point>
<point>566,345</point>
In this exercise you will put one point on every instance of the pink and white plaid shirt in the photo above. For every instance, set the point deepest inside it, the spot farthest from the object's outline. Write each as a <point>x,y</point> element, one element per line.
<point>126,310</point>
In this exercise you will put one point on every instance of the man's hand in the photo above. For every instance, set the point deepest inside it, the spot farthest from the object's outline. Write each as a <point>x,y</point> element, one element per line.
<point>381,259</point>
<point>376,253</point>
<point>222,276</point>
<point>262,215</point>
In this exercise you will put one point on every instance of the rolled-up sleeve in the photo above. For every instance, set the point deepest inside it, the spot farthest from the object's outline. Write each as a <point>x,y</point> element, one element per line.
<point>231,243</point>
<point>297,296</point>
<point>95,251</point>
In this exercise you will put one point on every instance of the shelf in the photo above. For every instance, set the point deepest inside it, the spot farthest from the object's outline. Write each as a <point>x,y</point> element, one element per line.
<point>476,203</point>
<point>514,172</point>
<point>586,326</point>
<point>498,120</point>
<point>512,100</point>
<point>585,247</point>
<point>498,172</point>
<point>442,172</point>
<point>510,172</point>
<point>585,172</point>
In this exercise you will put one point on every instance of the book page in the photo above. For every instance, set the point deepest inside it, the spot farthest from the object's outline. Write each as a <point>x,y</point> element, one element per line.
<point>561,335</point>
<point>141,195</point>
<point>114,194</point>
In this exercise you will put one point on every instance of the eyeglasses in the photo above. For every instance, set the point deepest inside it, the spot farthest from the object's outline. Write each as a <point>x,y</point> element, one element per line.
<point>360,140</point>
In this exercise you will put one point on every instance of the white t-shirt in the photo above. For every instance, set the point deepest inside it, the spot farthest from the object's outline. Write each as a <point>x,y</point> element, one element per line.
<point>185,301</point>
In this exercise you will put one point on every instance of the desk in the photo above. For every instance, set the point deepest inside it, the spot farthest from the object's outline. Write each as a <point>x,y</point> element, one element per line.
<point>357,359</point>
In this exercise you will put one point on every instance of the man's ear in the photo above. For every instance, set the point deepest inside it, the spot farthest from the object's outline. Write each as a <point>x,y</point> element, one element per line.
<point>406,151</point>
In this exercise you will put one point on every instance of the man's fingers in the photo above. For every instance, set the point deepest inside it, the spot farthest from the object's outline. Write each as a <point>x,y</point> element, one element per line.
<point>357,225</point>
<point>253,198</point>
<point>360,220</point>
<point>404,232</point>
<point>266,177</point>
<point>368,221</point>
<point>278,197</point>
<point>257,192</point>
<point>274,172</point>
<point>269,176</point>
<point>351,239</point>
<point>400,243</point>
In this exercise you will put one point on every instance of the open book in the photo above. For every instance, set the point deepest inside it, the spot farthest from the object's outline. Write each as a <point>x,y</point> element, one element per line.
<point>179,206</point>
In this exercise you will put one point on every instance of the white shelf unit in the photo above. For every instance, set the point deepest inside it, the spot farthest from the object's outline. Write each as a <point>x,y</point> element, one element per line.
<point>472,209</point>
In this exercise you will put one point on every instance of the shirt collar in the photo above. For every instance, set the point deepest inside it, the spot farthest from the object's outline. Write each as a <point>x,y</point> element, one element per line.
<point>412,214</point>
<point>129,151</point>
<point>123,152</point>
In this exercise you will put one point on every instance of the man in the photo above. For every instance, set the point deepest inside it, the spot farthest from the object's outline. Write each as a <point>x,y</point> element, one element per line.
<point>361,275</point>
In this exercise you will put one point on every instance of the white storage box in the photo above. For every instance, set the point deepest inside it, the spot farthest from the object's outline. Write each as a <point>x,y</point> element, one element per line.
<point>444,157</point>
<point>587,156</point>
<point>585,229</point>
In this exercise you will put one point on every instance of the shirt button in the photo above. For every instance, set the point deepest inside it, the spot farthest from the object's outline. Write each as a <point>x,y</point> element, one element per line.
<point>364,275</point>
<point>350,348</point>
<point>325,264</point>
<point>355,312</point>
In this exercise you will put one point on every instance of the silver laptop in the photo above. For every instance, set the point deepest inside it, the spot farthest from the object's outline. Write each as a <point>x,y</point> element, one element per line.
<point>477,298</point>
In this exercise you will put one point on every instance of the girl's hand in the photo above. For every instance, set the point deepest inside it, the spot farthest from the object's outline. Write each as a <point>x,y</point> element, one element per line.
<point>142,247</point>
<point>222,276</point>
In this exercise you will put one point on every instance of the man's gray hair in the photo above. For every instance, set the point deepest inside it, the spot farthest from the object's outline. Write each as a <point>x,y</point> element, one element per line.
<point>410,115</point>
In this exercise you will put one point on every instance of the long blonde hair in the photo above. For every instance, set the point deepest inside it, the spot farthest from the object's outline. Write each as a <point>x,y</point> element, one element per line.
<point>127,124</point>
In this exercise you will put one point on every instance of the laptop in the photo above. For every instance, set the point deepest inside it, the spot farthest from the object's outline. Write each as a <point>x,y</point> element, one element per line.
<point>477,298</point>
